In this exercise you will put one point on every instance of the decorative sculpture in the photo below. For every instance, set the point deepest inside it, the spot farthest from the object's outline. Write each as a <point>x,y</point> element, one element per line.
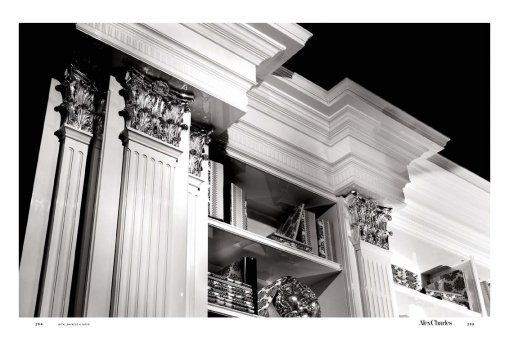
<point>154,108</point>
<point>83,106</point>
<point>371,220</point>
<point>199,137</point>
<point>290,297</point>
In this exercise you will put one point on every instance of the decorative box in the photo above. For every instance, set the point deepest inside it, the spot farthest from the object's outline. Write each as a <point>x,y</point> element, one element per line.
<point>406,278</point>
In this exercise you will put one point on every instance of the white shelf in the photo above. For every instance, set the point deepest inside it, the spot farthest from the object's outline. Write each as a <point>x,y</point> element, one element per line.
<point>416,304</point>
<point>229,312</point>
<point>228,243</point>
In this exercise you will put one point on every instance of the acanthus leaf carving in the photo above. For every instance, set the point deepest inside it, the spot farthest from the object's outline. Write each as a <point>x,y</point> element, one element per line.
<point>154,108</point>
<point>199,137</point>
<point>83,104</point>
<point>370,219</point>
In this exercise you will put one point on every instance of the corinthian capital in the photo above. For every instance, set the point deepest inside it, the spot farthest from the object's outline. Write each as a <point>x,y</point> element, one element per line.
<point>83,104</point>
<point>370,219</point>
<point>199,137</point>
<point>154,108</point>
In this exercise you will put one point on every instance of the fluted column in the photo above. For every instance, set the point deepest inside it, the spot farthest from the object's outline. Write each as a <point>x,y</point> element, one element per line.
<point>197,227</point>
<point>80,121</point>
<point>370,240</point>
<point>148,278</point>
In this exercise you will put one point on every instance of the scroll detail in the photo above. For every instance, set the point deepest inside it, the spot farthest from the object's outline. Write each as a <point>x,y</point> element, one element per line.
<point>83,104</point>
<point>371,220</point>
<point>154,108</point>
<point>199,137</point>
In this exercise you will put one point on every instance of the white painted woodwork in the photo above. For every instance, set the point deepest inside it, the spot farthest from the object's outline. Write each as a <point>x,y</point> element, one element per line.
<point>104,227</point>
<point>375,275</point>
<point>40,204</point>
<point>348,259</point>
<point>197,254</point>
<point>413,304</point>
<point>473,286</point>
<point>229,312</point>
<point>227,243</point>
<point>91,197</point>
<point>197,248</point>
<point>146,228</point>
<point>65,217</point>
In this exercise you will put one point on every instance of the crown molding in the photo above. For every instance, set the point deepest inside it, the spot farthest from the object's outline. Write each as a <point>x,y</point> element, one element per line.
<point>449,196</point>
<point>184,54</point>
<point>241,39</point>
<point>273,155</point>
<point>309,93</point>
<point>461,172</point>
<point>441,234</point>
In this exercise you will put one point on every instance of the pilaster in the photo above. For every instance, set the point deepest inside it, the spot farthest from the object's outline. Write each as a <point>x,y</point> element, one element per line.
<point>80,121</point>
<point>63,229</point>
<point>370,241</point>
<point>197,227</point>
<point>150,255</point>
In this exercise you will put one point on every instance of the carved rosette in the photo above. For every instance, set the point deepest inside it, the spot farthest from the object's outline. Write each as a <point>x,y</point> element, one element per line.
<point>199,137</point>
<point>83,104</point>
<point>370,219</point>
<point>154,108</point>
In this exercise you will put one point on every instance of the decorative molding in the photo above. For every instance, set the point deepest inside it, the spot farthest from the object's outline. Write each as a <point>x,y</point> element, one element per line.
<point>370,219</point>
<point>241,39</point>
<point>198,138</point>
<point>461,172</point>
<point>153,108</point>
<point>201,64</point>
<point>132,135</point>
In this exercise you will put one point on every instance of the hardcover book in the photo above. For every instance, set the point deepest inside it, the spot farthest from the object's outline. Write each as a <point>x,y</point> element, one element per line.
<point>324,239</point>
<point>238,210</point>
<point>308,230</point>
<point>216,190</point>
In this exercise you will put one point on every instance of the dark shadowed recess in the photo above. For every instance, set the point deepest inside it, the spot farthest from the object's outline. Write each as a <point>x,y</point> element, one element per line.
<point>438,73</point>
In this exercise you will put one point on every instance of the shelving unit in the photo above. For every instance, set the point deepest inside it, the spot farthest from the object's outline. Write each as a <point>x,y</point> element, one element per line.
<point>220,311</point>
<point>415,304</point>
<point>270,200</point>
<point>228,243</point>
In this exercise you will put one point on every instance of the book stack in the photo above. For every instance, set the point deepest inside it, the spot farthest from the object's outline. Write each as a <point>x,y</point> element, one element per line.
<point>230,293</point>
<point>235,286</point>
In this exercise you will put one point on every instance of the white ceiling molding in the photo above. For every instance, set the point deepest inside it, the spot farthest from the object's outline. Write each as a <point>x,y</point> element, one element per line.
<point>222,60</point>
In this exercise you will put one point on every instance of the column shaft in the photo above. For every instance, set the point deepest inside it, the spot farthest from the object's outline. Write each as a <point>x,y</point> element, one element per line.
<point>64,220</point>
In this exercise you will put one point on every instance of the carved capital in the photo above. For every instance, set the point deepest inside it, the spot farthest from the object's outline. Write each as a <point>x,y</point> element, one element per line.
<point>370,219</point>
<point>83,104</point>
<point>154,108</point>
<point>198,138</point>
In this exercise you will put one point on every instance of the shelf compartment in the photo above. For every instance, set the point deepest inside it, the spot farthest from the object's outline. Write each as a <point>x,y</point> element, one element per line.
<point>416,304</point>
<point>228,243</point>
<point>229,312</point>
